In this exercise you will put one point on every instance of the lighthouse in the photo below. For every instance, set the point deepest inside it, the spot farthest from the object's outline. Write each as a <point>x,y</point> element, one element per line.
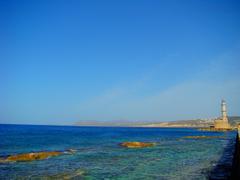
<point>222,122</point>
<point>224,111</point>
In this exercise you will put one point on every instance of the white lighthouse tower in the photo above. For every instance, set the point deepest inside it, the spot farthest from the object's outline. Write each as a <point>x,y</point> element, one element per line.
<point>224,111</point>
<point>222,122</point>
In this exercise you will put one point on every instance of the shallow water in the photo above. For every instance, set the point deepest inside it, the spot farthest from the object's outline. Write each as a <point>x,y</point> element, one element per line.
<point>99,155</point>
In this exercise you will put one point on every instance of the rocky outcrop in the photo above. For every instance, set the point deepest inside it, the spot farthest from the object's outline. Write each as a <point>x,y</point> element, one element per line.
<point>32,156</point>
<point>213,129</point>
<point>35,156</point>
<point>201,137</point>
<point>137,144</point>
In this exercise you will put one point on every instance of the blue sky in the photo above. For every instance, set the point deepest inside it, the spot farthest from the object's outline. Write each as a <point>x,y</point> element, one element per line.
<point>126,60</point>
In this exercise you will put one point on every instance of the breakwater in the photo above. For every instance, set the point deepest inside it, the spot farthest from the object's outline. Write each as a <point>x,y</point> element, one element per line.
<point>228,166</point>
<point>236,160</point>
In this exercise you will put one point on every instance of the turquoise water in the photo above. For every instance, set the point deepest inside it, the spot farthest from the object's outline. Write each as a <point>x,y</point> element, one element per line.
<point>99,155</point>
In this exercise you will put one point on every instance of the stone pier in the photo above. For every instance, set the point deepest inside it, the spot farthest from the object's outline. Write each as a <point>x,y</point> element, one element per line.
<point>236,160</point>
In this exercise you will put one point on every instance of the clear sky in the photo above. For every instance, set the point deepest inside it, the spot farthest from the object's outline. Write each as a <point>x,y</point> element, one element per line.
<point>124,60</point>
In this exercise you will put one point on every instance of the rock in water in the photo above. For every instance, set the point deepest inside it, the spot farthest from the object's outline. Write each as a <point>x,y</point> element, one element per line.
<point>35,156</point>
<point>202,137</point>
<point>77,174</point>
<point>137,144</point>
<point>32,156</point>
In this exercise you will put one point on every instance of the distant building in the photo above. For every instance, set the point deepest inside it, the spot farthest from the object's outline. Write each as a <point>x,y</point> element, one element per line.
<point>222,122</point>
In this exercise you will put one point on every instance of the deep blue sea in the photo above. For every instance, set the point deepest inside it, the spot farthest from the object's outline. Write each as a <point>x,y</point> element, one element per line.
<point>99,155</point>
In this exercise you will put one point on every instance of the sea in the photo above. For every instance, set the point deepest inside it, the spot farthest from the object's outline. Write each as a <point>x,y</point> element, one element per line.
<point>99,154</point>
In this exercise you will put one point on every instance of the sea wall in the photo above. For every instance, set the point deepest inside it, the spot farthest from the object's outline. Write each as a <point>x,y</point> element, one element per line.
<point>228,166</point>
<point>236,160</point>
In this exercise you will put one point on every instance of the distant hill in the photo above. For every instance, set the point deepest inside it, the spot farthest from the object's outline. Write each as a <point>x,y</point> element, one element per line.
<point>182,123</point>
<point>234,120</point>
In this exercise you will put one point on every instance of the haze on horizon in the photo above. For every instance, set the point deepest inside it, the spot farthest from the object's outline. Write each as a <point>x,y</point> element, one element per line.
<point>147,60</point>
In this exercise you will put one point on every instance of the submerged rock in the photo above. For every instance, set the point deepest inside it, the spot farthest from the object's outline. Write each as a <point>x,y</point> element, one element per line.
<point>137,144</point>
<point>201,137</point>
<point>34,156</point>
<point>67,175</point>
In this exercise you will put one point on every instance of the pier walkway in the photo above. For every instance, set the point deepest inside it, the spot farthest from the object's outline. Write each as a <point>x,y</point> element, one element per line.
<point>236,160</point>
